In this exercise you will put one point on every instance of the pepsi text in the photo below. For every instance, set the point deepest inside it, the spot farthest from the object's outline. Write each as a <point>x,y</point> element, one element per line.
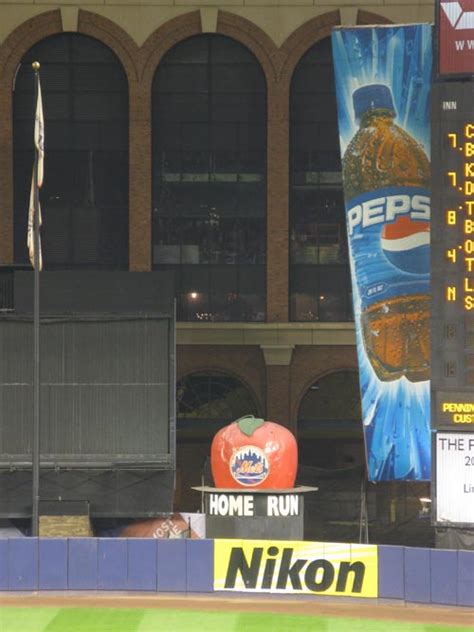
<point>386,209</point>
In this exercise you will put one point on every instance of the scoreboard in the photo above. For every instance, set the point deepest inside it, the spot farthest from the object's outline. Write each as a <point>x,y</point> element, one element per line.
<point>452,250</point>
<point>452,267</point>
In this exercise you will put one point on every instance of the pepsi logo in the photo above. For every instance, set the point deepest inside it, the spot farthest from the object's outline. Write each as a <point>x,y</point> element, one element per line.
<point>406,244</point>
<point>249,466</point>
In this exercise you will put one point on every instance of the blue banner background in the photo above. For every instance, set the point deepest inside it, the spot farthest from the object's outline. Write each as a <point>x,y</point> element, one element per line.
<point>396,414</point>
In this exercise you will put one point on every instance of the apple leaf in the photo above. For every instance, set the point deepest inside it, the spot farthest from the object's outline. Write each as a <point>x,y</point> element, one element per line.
<point>248,424</point>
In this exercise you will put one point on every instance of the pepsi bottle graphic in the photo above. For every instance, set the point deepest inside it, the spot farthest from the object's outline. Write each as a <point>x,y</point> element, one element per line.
<point>386,176</point>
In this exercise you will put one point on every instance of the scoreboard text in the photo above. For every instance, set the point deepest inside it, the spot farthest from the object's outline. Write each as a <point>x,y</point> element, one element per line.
<point>459,214</point>
<point>452,255</point>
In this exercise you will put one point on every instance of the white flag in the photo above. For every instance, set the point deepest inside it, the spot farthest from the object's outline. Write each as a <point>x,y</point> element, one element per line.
<point>39,135</point>
<point>39,148</point>
<point>31,236</point>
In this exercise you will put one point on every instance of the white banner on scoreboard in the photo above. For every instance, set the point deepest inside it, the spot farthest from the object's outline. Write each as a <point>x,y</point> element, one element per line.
<point>455,478</point>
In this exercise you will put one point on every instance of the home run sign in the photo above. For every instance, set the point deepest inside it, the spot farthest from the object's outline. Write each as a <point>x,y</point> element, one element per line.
<point>275,514</point>
<point>273,505</point>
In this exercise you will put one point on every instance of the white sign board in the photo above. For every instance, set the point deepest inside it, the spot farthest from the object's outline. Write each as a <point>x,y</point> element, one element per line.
<point>455,477</point>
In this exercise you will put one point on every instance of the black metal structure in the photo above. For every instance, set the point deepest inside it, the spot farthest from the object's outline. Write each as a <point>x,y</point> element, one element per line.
<point>107,393</point>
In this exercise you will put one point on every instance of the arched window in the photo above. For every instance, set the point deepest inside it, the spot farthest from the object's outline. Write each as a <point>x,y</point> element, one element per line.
<point>319,272</point>
<point>206,401</point>
<point>335,397</point>
<point>209,149</point>
<point>329,422</point>
<point>212,397</point>
<point>84,198</point>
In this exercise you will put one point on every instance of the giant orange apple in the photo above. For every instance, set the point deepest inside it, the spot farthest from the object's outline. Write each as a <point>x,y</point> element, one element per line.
<point>251,452</point>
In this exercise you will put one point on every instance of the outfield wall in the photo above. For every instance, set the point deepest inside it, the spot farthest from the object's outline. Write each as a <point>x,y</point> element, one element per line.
<point>191,566</point>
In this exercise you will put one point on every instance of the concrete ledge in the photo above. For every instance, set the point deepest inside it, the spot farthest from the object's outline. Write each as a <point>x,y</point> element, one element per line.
<point>266,334</point>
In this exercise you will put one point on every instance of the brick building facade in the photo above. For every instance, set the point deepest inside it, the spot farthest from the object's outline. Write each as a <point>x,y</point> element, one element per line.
<point>279,359</point>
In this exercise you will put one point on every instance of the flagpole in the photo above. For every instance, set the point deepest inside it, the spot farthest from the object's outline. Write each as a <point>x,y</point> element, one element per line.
<point>36,336</point>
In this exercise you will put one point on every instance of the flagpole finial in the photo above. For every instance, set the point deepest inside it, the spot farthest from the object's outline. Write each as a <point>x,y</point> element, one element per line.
<point>36,65</point>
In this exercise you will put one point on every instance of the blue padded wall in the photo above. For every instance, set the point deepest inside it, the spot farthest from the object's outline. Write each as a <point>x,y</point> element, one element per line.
<point>142,564</point>
<point>112,559</point>
<point>171,565</point>
<point>23,563</point>
<point>444,571</point>
<point>26,564</point>
<point>417,575</point>
<point>465,578</point>
<point>4,565</point>
<point>53,564</point>
<point>391,572</point>
<point>82,571</point>
<point>199,565</point>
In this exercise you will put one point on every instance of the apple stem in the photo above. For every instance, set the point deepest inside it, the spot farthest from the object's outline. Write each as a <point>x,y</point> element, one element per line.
<point>248,424</point>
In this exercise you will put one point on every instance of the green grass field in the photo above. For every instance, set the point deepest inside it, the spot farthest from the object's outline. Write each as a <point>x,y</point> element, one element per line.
<point>165,620</point>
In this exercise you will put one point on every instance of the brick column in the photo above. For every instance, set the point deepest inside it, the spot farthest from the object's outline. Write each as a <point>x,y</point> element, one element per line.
<point>277,203</point>
<point>140,178</point>
<point>278,360</point>
<point>6,177</point>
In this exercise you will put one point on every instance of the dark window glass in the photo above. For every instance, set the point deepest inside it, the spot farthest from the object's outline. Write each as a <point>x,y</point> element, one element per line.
<point>84,198</point>
<point>333,397</point>
<point>214,398</point>
<point>212,395</point>
<point>209,208</point>
<point>319,271</point>
<point>329,424</point>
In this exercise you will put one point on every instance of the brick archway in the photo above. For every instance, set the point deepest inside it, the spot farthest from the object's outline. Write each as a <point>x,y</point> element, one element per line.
<point>253,38</point>
<point>224,371</point>
<point>114,37</point>
<point>315,378</point>
<point>184,26</point>
<point>243,363</point>
<point>328,423</point>
<point>312,363</point>
<point>140,156</point>
<point>162,40</point>
<point>129,54</point>
<point>23,38</point>
<point>151,53</point>
<point>140,64</point>
<point>11,52</point>
<point>301,40</point>
<point>278,161</point>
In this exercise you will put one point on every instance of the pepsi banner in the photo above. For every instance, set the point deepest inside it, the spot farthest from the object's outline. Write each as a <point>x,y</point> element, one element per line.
<point>383,79</point>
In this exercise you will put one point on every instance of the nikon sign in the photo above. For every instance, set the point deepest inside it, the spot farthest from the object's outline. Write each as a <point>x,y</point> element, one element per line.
<point>348,570</point>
